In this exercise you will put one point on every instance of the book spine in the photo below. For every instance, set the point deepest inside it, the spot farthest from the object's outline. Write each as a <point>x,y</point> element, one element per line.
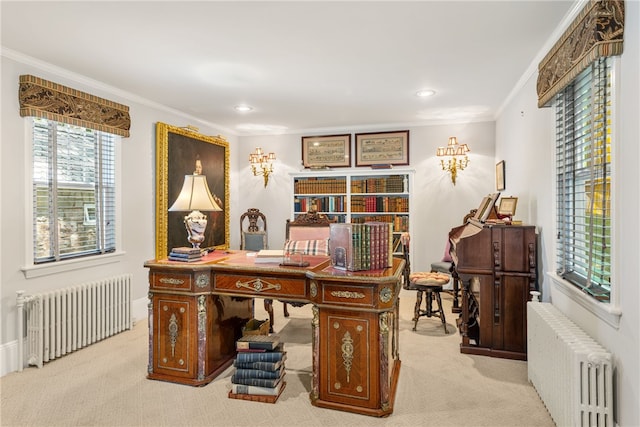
<point>249,389</point>
<point>257,373</point>
<point>260,382</point>
<point>184,255</point>
<point>172,258</point>
<point>262,366</point>
<point>186,250</point>
<point>268,356</point>
<point>255,345</point>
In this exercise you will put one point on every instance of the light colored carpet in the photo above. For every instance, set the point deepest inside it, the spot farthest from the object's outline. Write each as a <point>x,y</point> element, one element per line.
<point>106,385</point>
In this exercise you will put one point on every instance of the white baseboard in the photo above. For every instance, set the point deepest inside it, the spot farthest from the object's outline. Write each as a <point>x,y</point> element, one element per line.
<point>9,351</point>
<point>9,358</point>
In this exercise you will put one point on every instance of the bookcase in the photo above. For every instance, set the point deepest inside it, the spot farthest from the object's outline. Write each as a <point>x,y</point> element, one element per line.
<point>357,196</point>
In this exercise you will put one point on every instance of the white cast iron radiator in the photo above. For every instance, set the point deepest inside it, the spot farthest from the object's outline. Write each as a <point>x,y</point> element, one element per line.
<point>64,320</point>
<point>571,372</point>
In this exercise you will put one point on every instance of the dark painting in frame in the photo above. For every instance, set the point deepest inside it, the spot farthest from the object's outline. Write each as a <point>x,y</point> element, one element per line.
<point>177,149</point>
<point>326,151</point>
<point>382,148</point>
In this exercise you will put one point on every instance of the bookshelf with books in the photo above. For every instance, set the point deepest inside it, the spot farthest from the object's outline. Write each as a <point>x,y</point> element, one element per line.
<point>357,197</point>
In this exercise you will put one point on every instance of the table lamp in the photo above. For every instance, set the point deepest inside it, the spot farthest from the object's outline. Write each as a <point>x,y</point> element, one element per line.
<point>195,197</point>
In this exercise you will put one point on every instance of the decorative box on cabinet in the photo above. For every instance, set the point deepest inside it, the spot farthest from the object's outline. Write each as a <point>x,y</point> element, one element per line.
<point>497,266</point>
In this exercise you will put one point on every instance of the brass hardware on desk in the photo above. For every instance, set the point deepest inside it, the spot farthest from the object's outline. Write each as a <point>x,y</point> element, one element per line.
<point>258,285</point>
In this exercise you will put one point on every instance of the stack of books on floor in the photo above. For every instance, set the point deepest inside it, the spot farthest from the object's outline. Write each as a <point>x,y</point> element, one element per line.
<point>185,254</point>
<point>259,371</point>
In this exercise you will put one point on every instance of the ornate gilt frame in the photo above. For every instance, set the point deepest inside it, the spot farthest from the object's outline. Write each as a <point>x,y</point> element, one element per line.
<point>176,151</point>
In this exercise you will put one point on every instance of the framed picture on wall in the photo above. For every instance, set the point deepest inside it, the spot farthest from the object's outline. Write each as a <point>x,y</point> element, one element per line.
<point>326,151</point>
<point>500,184</point>
<point>386,148</point>
<point>183,151</point>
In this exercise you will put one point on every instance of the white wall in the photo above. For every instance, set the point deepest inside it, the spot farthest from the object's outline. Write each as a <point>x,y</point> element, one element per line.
<point>137,205</point>
<point>437,205</point>
<point>525,140</point>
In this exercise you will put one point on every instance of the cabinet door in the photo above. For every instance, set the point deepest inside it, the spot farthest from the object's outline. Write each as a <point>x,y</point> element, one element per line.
<point>518,245</point>
<point>349,361</point>
<point>175,335</point>
<point>511,314</point>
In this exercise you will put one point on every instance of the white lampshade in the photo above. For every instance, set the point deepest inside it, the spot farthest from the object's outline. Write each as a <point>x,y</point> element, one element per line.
<point>195,195</point>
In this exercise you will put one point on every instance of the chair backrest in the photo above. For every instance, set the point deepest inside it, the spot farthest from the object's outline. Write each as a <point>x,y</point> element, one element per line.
<point>308,233</point>
<point>308,226</point>
<point>253,236</point>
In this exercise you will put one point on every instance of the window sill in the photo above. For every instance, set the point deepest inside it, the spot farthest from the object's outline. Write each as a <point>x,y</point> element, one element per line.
<point>70,265</point>
<point>606,312</point>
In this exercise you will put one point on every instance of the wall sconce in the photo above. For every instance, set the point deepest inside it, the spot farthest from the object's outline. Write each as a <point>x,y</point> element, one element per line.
<point>457,160</point>
<point>195,196</point>
<point>262,164</point>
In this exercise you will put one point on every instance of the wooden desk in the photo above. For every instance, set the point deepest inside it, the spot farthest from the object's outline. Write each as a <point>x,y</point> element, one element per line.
<point>197,310</point>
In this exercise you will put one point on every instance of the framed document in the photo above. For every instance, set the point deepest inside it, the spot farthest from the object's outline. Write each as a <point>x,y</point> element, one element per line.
<point>388,148</point>
<point>507,206</point>
<point>326,151</point>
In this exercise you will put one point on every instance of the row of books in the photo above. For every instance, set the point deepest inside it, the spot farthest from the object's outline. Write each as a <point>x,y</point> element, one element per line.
<point>355,247</point>
<point>322,204</point>
<point>259,367</point>
<point>379,204</point>
<point>391,184</point>
<point>185,254</point>
<point>320,186</point>
<point>400,222</point>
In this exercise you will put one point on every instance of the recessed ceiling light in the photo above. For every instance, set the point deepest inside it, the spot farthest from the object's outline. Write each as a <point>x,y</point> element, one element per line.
<point>425,93</point>
<point>243,108</point>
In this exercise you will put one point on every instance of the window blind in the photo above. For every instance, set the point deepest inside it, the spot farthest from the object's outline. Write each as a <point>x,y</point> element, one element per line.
<point>73,189</point>
<point>583,161</point>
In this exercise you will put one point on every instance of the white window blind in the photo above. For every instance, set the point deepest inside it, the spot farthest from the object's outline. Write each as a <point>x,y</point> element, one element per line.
<point>73,191</point>
<point>584,113</point>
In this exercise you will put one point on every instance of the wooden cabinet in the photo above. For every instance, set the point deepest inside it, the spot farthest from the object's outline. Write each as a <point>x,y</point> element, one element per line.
<point>192,333</point>
<point>356,360</point>
<point>497,267</point>
<point>357,197</point>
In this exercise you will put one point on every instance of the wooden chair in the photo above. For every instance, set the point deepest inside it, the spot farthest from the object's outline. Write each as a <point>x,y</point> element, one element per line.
<point>253,236</point>
<point>311,226</point>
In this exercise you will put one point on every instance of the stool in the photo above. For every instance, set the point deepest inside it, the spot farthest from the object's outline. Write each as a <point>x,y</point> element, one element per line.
<point>431,284</point>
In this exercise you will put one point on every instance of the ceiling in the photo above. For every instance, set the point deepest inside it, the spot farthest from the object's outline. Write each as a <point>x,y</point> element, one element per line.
<point>303,66</point>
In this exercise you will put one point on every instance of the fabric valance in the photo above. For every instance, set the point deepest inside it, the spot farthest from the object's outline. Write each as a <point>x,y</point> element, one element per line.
<point>42,98</point>
<point>596,32</point>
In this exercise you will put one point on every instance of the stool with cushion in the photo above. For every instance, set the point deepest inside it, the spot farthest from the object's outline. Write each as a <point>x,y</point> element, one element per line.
<point>431,284</point>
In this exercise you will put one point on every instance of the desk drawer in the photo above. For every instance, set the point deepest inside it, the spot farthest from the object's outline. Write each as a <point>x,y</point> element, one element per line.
<point>347,295</point>
<point>172,281</point>
<point>262,286</point>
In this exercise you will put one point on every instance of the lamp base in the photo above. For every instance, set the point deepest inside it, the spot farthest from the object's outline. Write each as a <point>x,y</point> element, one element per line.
<point>196,224</point>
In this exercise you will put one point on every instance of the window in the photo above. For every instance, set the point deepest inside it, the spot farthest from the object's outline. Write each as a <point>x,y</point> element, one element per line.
<point>584,113</point>
<point>73,191</point>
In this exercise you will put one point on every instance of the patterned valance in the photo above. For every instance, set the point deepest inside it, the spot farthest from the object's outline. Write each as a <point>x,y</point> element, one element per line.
<point>596,32</point>
<point>42,98</point>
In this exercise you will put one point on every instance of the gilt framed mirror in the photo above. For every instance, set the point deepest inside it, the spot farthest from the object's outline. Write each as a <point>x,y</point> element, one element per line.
<point>182,151</point>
